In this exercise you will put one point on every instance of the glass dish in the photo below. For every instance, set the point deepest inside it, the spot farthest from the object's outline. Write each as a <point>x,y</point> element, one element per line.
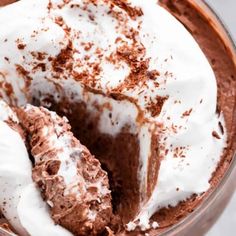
<point>206,214</point>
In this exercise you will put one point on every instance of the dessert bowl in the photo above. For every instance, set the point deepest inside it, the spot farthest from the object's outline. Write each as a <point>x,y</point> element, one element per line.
<point>207,213</point>
<point>199,212</point>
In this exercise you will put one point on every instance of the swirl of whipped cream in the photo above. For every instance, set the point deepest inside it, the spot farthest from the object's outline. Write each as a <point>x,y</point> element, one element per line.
<point>20,200</point>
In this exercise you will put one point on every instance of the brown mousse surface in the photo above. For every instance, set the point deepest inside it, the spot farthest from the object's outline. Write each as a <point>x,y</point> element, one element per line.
<point>113,152</point>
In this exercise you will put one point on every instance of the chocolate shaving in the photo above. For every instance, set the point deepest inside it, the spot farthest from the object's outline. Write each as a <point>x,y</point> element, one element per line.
<point>134,57</point>
<point>21,46</point>
<point>133,12</point>
<point>7,59</point>
<point>24,74</point>
<point>155,107</point>
<point>40,56</point>
<point>221,128</point>
<point>187,113</point>
<point>63,60</point>
<point>216,135</point>
<point>40,66</point>
<point>152,75</point>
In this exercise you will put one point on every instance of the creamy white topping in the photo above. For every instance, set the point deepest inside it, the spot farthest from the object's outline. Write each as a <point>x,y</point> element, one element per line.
<point>6,113</point>
<point>188,116</point>
<point>20,200</point>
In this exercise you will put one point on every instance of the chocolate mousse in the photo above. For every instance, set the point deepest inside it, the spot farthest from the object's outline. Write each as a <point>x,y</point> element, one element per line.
<point>152,99</point>
<point>70,178</point>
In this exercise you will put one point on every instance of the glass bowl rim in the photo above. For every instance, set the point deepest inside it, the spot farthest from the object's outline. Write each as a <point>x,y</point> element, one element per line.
<point>232,167</point>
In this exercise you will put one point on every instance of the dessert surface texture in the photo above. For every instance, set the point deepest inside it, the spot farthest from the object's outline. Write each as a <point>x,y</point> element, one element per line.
<point>116,116</point>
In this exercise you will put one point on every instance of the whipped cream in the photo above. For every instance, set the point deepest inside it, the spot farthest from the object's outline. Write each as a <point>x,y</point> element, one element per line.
<point>7,113</point>
<point>185,122</point>
<point>20,200</point>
